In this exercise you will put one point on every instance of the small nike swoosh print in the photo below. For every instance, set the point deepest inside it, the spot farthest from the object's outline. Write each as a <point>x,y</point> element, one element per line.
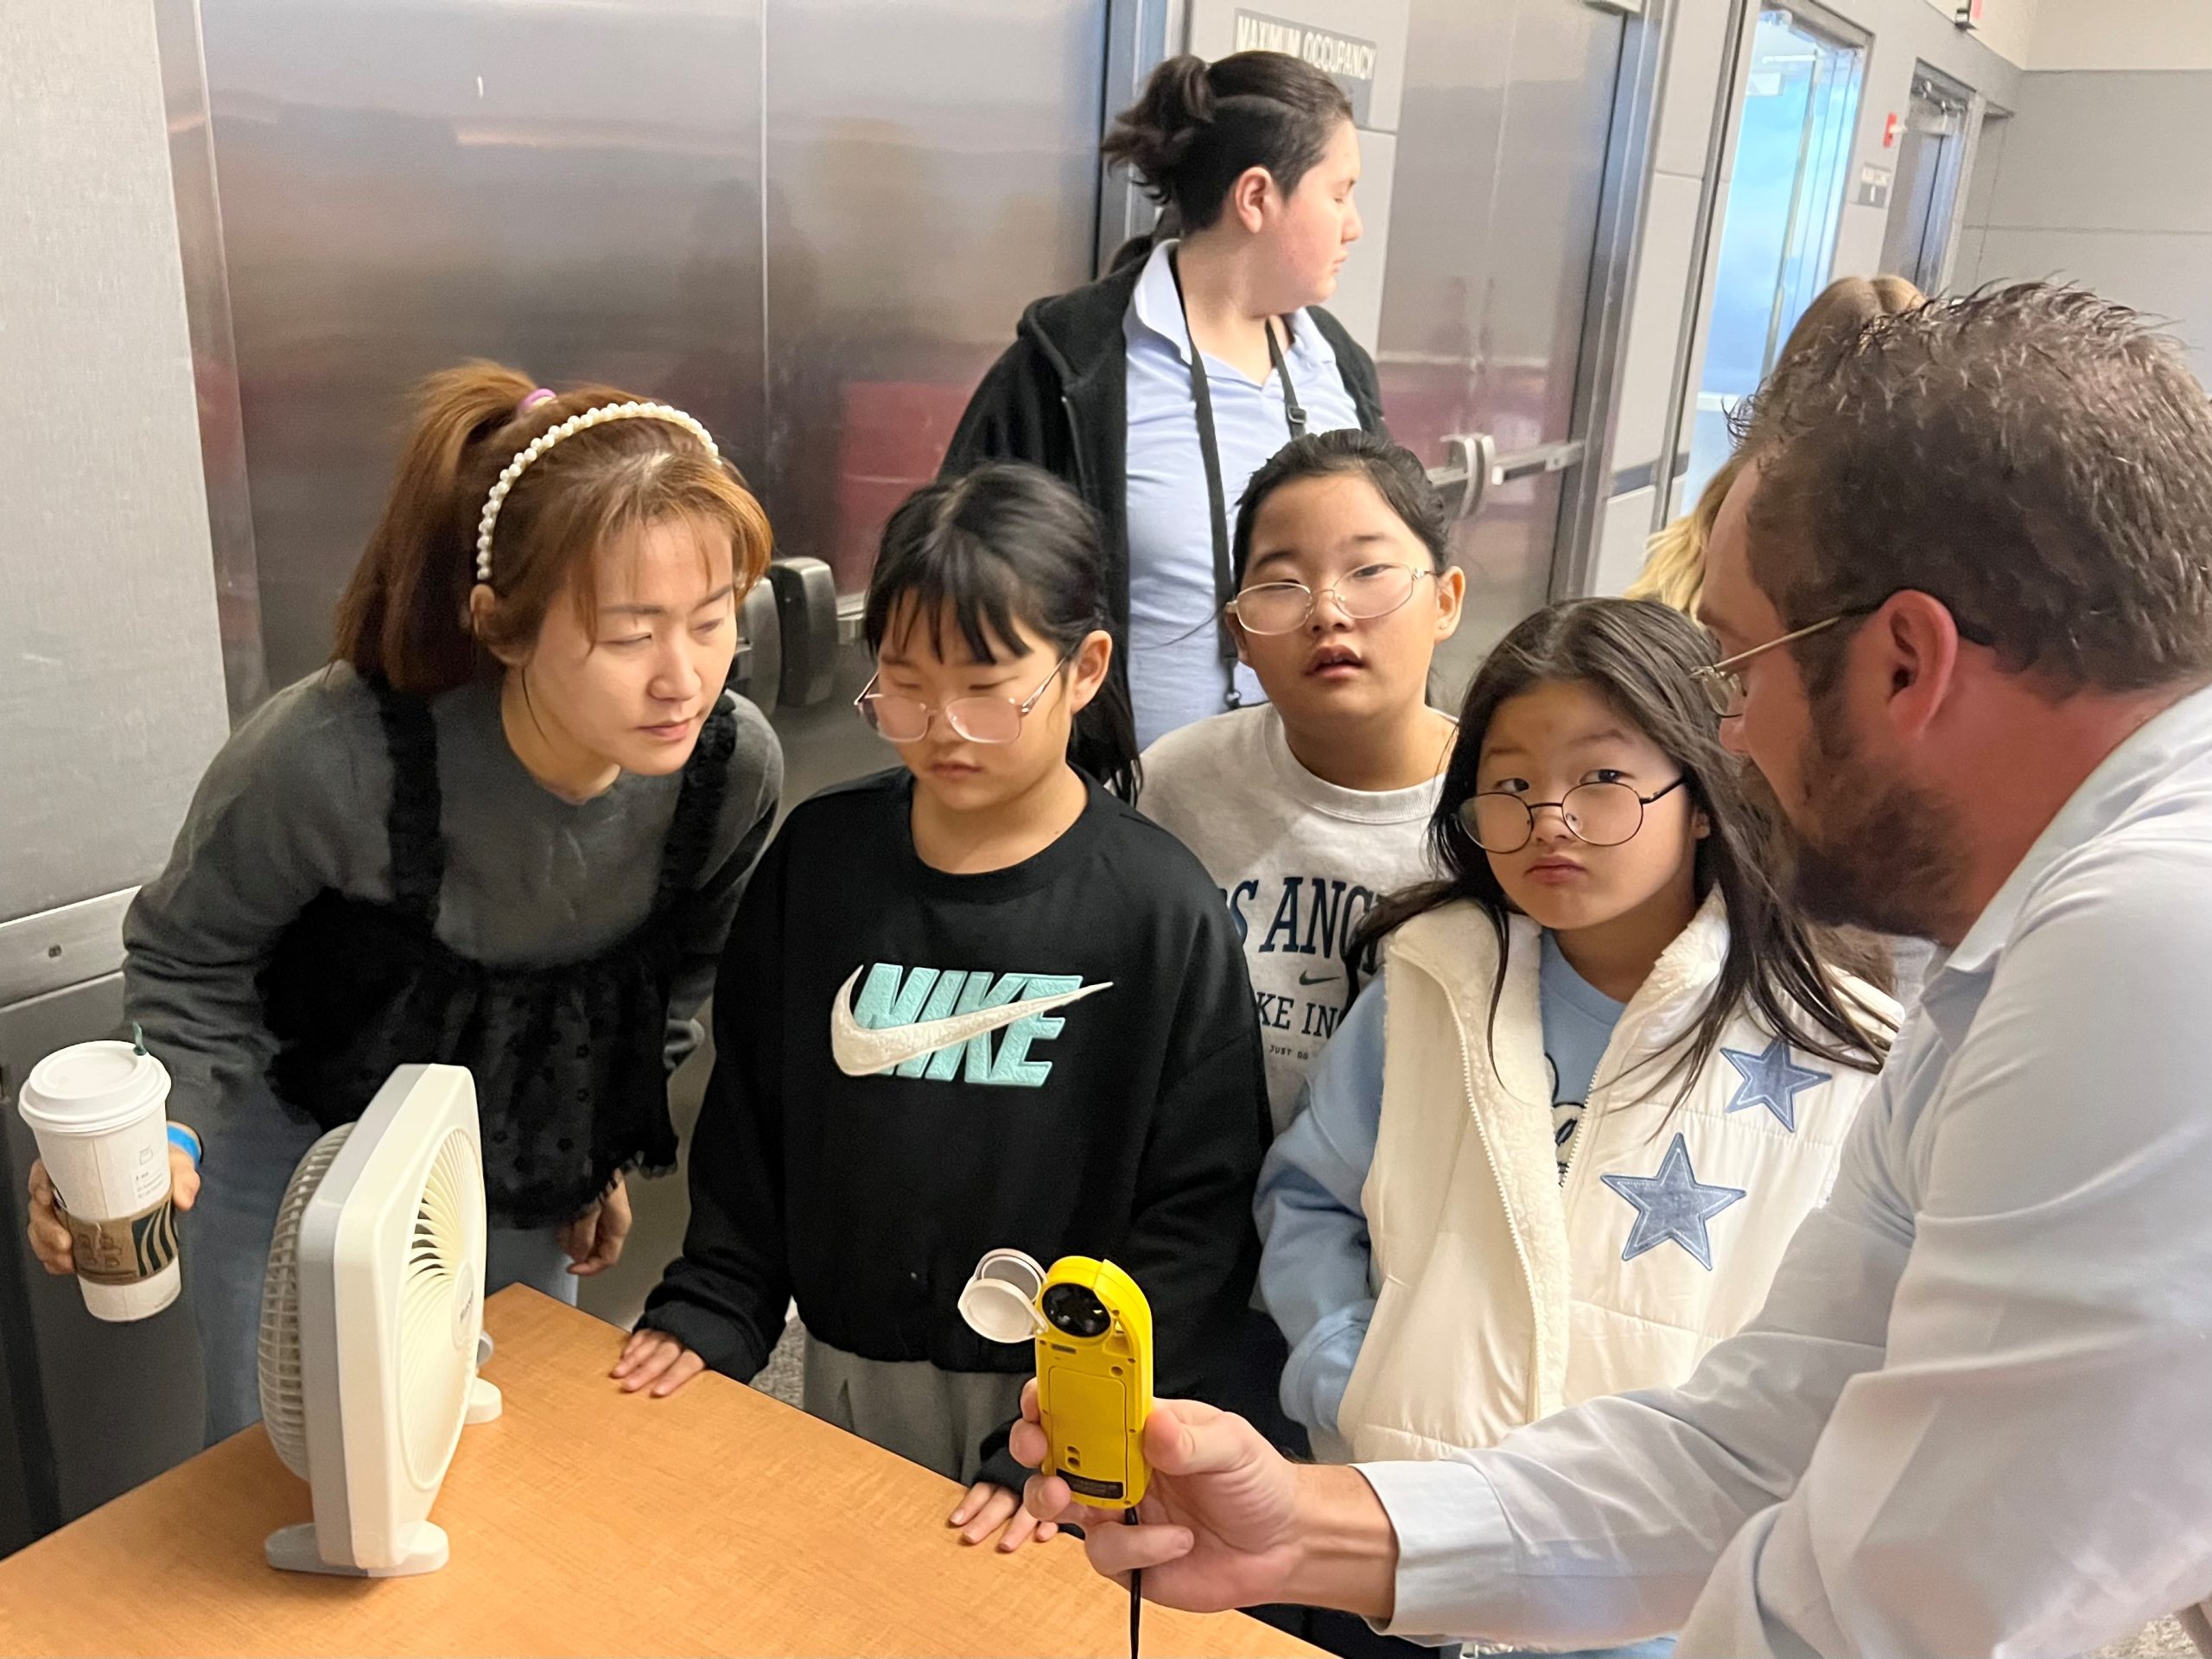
<point>861,1052</point>
<point>1310,979</point>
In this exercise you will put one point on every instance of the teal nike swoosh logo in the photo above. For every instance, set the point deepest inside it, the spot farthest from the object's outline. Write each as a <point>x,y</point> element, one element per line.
<point>859,1052</point>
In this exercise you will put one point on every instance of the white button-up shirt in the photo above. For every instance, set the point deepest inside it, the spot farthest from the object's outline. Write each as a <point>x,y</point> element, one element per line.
<point>1976,1415</point>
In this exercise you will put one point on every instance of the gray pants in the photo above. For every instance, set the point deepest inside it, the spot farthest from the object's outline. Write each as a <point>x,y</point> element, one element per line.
<point>225,1250</point>
<point>937,1419</point>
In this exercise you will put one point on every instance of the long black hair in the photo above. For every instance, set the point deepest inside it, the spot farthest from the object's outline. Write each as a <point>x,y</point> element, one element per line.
<point>1641,656</point>
<point>1198,126</point>
<point>1005,550</point>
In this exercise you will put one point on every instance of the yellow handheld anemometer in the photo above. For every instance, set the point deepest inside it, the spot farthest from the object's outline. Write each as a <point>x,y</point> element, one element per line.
<point>1093,1332</point>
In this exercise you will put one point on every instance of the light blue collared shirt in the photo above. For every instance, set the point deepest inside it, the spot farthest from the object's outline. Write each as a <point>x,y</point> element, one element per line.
<point>1175,669</point>
<point>1975,1414</point>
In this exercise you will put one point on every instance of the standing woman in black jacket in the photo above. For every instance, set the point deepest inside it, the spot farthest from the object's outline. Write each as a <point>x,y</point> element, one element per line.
<point>1257,156</point>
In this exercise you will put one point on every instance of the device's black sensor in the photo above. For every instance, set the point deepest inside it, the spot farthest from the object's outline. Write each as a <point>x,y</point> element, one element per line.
<point>1075,1310</point>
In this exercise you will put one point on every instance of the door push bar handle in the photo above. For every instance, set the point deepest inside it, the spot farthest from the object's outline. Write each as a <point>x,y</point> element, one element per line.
<point>1475,467</point>
<point>1471,459</point>
<point>757,672</point>
<point>806,608</point>
<point>1536,462</point>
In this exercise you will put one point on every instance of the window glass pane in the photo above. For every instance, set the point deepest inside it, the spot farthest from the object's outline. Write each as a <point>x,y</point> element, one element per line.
<point>1778,240</point>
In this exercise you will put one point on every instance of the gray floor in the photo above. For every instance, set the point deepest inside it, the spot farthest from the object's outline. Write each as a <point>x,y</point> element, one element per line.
<point>780,1376</point>
<point>661,1210</point>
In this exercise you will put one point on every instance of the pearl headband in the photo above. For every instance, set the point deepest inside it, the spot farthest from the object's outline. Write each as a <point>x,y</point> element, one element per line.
<point>569,429</point>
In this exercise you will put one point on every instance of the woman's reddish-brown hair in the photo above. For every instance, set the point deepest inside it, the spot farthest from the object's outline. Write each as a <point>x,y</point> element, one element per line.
<point>404,615</point>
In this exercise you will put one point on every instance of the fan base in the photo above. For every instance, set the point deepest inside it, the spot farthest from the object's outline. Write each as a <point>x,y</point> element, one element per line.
<point>292,1549</point>
<point>484,1401</point>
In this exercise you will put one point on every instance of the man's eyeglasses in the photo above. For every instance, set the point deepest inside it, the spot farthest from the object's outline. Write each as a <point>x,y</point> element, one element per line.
<point>1723,682</point>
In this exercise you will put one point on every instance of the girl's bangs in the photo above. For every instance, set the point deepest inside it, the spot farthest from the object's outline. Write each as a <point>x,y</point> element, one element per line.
<point>951,579</point>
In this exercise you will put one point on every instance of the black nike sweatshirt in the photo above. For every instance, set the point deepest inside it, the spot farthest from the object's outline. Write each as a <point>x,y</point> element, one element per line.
<point>1121,1113</point>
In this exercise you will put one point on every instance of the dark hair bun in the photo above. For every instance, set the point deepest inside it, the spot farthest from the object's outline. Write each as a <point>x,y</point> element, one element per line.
<point>1153,135</point>
<point>1197,127</point>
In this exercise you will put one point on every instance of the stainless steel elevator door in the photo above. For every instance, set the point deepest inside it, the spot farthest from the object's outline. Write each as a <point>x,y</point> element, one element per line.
<point>1932,151</point>
<point>931,169</point>
<point>809,222</point>
<point>1501,166</point>
<point>575,190</point>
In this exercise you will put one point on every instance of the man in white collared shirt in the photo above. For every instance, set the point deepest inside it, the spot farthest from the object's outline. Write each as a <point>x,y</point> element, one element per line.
<point>1976,1416</point>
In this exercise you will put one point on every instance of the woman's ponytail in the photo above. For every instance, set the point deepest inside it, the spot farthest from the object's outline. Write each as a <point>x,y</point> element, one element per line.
<point>404,614</point>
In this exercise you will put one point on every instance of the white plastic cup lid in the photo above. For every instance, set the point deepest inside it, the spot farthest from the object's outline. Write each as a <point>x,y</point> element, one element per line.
<point>92,1089</point>
<point>999,1301</point>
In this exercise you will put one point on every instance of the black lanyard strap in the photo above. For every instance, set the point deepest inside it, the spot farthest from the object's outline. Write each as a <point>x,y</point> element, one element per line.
<point>1224,578</point>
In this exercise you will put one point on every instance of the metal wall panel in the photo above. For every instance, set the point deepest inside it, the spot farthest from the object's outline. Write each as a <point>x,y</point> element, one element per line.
<point>214,358</point>
<point>572,189</point>
<point>812,223</point>
<point>931,169</point>
<point>111,687</point>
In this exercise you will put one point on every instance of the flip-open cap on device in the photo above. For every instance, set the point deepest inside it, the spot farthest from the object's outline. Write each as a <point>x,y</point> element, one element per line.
<point>998,1301</point>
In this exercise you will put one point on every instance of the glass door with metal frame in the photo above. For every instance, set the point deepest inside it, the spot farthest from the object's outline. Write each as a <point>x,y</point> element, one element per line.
<point>1785,198</point>
<point>1916,243</point>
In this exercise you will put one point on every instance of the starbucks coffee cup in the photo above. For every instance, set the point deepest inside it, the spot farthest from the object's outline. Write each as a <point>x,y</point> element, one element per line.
<point>99,1112</point>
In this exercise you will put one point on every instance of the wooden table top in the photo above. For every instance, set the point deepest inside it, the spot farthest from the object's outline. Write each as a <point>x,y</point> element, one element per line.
<point>584,1522</point>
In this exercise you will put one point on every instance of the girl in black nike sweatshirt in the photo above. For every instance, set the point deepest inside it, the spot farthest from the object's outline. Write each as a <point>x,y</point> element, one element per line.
<point>972,1001</point>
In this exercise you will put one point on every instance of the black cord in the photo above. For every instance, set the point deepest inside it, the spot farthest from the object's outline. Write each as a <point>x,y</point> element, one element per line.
<point>1136,1590</point>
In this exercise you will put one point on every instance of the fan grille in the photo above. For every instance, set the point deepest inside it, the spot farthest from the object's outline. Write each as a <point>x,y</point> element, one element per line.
<point>438,1309</point>
<point>284,1404</point>
<point>440,1298</point>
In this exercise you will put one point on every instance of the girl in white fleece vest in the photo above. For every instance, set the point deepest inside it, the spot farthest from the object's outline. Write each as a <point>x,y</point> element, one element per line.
<point>1556,1147</point>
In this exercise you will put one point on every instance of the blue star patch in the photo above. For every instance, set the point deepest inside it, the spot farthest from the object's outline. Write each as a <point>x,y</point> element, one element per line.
<point>1674,1204</point>
<point>1773,1080</point>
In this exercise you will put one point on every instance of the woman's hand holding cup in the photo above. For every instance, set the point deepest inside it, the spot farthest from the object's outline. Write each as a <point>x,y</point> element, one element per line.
<point>49,1233</point>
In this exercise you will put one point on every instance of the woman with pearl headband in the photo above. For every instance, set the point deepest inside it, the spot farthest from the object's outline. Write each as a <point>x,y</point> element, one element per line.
<point>506,828</point>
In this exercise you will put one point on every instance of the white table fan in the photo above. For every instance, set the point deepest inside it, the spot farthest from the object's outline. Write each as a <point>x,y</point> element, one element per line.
<point>372,1326</point>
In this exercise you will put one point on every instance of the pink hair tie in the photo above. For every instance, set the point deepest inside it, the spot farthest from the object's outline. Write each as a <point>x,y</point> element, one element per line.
<point>543,395</point>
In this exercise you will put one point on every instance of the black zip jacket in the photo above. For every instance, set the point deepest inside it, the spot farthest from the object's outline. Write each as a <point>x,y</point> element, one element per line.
<point>1127,1120</point>
<point>1058,398</point>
